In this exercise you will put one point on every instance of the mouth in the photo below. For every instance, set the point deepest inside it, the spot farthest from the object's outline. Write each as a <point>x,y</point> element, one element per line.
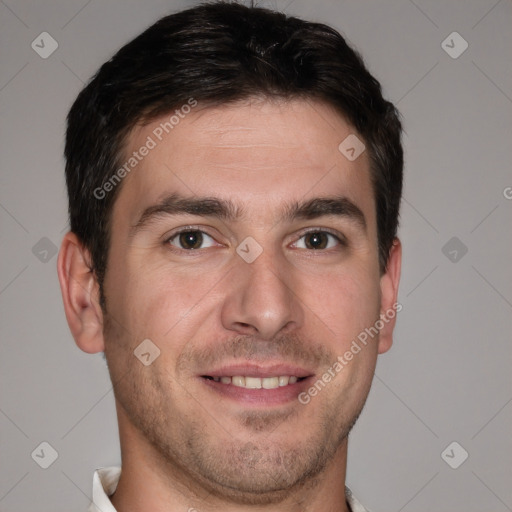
<point>257,385</point>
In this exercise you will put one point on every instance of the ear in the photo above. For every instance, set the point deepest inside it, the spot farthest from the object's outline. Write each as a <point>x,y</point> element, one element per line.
<point>389,306</point>
<point>80,294</point>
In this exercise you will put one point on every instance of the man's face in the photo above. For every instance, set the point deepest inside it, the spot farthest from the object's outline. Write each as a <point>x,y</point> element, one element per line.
<point>188,275</point>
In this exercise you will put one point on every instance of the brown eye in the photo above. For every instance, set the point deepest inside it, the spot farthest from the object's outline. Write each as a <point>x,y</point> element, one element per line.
<point>191,240</point>
<point>318,240</point>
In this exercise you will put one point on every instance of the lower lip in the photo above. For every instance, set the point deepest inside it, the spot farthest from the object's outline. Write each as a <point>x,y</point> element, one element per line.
<point>259,397</point>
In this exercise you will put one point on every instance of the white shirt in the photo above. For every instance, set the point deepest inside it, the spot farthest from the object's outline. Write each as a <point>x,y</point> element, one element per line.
<point>105,481</point>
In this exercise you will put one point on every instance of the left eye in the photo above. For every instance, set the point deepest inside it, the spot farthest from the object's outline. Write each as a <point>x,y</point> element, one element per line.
<point>316,240</point>
<point>192,239</point>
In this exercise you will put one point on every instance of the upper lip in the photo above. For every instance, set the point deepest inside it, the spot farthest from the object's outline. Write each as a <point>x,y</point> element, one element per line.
<point>256,370</point>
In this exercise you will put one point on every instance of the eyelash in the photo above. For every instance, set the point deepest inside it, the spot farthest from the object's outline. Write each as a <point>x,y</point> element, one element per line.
<point>192,229</point>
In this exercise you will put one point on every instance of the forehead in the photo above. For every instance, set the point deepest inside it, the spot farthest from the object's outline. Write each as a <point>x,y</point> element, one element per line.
<point>258,153</point>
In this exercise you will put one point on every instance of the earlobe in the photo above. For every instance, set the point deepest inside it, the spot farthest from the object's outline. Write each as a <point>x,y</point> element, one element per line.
<point>80,294</point>
<point>390,307</point>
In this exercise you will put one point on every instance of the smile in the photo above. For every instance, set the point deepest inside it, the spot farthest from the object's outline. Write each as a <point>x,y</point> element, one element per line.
<point>257,382</point>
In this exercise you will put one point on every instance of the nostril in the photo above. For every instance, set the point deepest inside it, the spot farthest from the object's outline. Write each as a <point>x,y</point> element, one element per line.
<point>245,326</point>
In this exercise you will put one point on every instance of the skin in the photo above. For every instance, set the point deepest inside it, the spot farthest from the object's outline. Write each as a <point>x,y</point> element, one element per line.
<point>185,445</point>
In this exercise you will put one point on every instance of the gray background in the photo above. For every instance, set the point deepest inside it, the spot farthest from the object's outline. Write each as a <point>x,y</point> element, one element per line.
<point>448,375</point>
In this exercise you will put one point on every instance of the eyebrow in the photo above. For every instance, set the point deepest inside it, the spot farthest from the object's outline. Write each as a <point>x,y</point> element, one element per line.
<point>226,210</point>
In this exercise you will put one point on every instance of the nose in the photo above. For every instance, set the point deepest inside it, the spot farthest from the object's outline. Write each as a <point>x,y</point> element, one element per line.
<point>261,300</point>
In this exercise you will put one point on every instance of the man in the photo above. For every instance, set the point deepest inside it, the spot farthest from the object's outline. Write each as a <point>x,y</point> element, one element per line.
<point>234,180</point>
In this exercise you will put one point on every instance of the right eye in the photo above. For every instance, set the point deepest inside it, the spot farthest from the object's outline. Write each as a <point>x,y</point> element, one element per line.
<point>191,240</point>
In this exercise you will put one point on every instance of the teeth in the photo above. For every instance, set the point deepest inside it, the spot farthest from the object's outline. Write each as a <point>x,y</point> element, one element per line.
<point>252,383</point>
<point>238,381</point>
<point>257,382</point>
<point>270,382</point>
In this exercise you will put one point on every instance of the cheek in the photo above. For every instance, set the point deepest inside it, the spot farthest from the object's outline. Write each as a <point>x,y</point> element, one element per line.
<point>157,302</point>
<point>347,301</point>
